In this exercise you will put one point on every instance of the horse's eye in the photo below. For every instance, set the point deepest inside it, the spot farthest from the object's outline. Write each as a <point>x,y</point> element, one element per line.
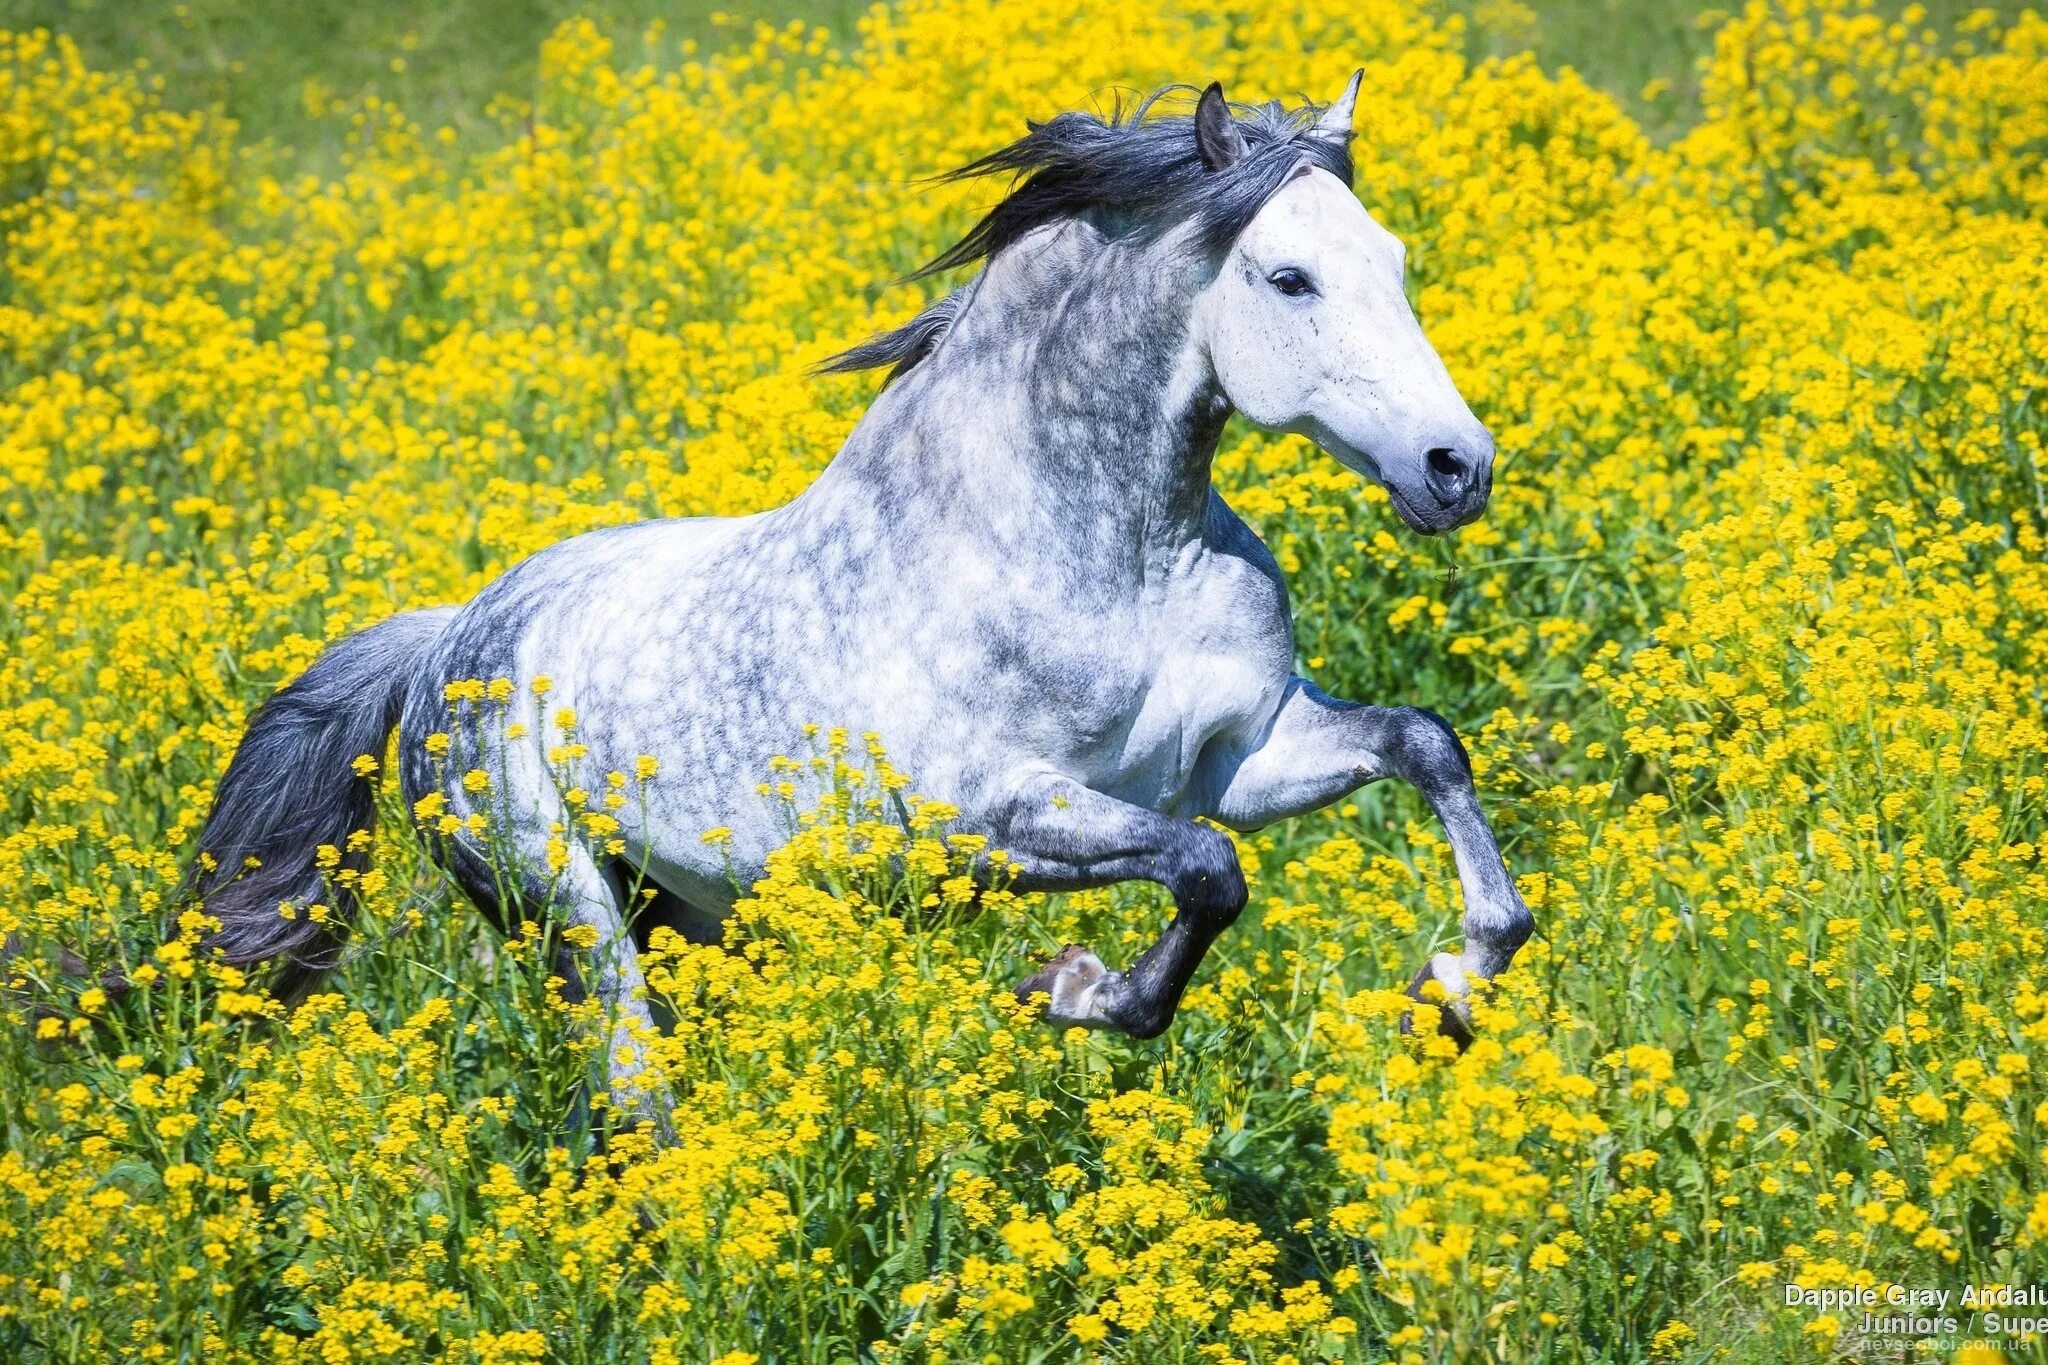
<point>1289,281</point>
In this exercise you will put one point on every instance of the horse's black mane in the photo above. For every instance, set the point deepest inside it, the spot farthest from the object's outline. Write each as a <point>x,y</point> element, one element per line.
<point>1143,166</point>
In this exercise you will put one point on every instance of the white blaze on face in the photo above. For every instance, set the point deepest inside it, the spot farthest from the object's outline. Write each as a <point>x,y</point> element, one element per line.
<point>1308,330</point>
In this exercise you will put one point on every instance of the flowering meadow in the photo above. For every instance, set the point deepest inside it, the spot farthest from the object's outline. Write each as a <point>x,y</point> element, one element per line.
<point>1750,650</point>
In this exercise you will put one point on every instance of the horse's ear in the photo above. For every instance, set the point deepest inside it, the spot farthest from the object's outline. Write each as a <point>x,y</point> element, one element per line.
<point>1216,134</point>
<point>1336,120</point>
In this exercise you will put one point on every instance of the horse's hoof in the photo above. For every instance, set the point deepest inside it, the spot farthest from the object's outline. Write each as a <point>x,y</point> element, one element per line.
<point>1449,1023</point>
<point>1072,980</point>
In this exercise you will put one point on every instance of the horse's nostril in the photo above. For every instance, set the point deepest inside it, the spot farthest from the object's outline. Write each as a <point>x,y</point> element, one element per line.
<point>1448,473</point>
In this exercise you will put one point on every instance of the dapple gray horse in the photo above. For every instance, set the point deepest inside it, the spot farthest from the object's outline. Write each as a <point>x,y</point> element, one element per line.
<point>1016,571</point>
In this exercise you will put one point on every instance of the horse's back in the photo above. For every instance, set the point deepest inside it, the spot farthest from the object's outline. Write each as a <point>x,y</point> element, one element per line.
<point>539,611</point>
<point>568,622</point>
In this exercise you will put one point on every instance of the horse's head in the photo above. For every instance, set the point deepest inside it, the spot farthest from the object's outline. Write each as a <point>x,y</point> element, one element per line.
<point>1308,330</point>
<point>1297,309</point>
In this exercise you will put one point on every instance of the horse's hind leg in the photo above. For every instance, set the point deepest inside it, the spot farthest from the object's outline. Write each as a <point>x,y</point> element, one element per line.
<point>1063,836</point>
<point>583,895</point>
<point>506,897</point>
<point>579,894</point>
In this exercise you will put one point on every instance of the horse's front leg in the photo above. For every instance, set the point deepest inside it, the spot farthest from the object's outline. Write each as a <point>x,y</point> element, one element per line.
<point>1319,748</point>
<point>1062,836</point>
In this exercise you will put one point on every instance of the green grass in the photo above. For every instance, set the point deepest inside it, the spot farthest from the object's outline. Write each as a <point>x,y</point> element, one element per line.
<point>1623,46</point>
<point>279,68</point>
<point>441,61</point>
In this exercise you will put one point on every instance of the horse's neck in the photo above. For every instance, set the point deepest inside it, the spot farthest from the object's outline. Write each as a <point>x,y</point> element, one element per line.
<point>1068,388</point>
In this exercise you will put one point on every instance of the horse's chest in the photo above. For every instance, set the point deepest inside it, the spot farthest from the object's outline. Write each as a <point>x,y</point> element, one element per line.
<point>1219,662</point>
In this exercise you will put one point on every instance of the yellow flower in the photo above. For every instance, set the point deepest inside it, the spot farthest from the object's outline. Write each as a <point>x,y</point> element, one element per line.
<point>1087,1328</point>
<point>1746,655</point>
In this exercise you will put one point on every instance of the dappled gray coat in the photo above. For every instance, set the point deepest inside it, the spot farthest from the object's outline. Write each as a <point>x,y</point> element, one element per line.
<point>1016,572</point>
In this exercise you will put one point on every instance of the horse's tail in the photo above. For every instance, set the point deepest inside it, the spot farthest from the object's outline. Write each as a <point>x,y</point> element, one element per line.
<point>292,797</point>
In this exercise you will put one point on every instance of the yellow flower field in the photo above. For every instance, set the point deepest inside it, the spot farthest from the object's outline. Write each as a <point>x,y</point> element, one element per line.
<point>1751,650</point>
